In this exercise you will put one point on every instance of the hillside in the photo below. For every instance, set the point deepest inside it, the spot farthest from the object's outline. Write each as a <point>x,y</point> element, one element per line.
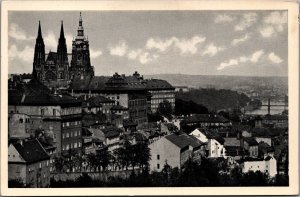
<point>214,99</point>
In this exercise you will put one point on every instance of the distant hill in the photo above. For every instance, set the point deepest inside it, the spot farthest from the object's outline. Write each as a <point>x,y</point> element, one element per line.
<point>221,81</point>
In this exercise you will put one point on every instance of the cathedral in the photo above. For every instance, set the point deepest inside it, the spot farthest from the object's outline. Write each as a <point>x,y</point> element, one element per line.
<point>54,69</point>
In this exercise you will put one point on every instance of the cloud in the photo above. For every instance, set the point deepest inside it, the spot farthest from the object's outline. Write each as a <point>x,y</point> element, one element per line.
<point>239,40</point>
<point>223,18</point>
<point>95,53</point>
<point>133,54</point>
<point>246,21</point>
<point>17,33</point>
<point>212,50</point>
<point>184,45</point>
<point>119,50</point>
<point>254,58</point>
<point>25,55</point>
<point>159,44</point>
<point>274,58</point>
<point>146,57</point>
<point>189,46</point>
<point>50,41</point>
<point>274,23</point>
<point>267,31</point>
<point>231,62</point>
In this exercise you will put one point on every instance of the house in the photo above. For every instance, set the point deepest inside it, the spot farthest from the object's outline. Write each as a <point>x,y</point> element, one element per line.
<point>214,142</point>
<point>58,113</point>
<point>160,91</point>
<point>28,162</point>
<point>174,149</point>
<point>127,91</point>
<point>96,103</point>
<point>168,128</point>
<point>275,121</point>
<point>19,126</point>
<point>266,165</point>
<point>204,121</point>
<point>251,145</point>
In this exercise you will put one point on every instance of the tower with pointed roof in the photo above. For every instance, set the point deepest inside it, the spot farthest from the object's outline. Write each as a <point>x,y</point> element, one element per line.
<point>39,56</point>
<point>62,56</point>
<point>80,64</point>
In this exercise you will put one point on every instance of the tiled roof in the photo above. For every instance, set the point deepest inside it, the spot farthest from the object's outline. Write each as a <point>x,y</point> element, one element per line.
<point>36,94</point>
<point>111,132</point>
<point>183,140</point>
<point>251,141</point>
<point>31,151</point>
<point>158,84</point>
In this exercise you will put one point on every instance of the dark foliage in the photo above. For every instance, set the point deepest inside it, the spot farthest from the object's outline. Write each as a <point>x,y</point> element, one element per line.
<point>214,99</point>
<point>183,107</point>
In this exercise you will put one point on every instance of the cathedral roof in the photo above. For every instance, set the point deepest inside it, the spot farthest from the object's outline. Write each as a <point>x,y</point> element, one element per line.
<point>52,56</point>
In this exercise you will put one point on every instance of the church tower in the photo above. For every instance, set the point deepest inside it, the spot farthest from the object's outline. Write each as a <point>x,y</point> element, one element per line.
<point>62,56</point>
<point>80,64</point>
<point>39,56</point>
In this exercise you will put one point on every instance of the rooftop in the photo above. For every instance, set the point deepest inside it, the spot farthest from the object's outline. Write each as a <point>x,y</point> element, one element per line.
<point>31,151</point>
<point>183,140</point>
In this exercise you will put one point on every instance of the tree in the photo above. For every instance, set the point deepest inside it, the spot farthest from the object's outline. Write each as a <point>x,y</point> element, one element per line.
<point>165,108</point>
<point>103,158</point>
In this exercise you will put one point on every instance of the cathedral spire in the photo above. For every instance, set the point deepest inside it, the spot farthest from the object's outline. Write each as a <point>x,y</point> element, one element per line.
<point>80,33</point>
<point>40,31</point>
<point>62,33</point>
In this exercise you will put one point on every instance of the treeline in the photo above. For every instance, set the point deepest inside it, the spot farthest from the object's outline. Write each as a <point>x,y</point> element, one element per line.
<point>214,99</point>
<point>209,173</point>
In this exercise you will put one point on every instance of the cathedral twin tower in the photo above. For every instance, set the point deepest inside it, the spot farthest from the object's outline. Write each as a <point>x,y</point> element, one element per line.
<point>54,69</point>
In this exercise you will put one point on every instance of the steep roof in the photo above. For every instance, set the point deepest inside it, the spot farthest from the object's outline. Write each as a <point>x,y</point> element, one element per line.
<point>52,56</point>
<point>31,151</point>
<point>183,140</point>
<point>34,93</point>
<point>212,134</point>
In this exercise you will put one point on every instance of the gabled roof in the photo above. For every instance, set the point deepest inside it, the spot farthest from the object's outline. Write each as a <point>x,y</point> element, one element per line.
<point>31,151</point>
<point>183,140</point>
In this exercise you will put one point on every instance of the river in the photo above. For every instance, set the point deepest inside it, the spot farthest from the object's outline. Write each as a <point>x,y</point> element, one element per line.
<point>263,110</point>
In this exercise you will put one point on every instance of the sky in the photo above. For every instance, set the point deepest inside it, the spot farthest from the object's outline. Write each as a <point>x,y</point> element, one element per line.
<point>246,43</point>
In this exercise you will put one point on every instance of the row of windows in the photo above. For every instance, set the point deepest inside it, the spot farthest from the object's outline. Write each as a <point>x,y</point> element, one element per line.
<point>161,91</point>
<point>70,134</point>
<point>138,102</point>
<point>162,100</point>
<point>163,96</point>
<point>41,164</point>
<point>74,123</point>
<point>72,145</point>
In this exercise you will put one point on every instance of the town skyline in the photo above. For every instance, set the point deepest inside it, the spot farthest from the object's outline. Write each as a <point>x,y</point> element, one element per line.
<point>253,36</point>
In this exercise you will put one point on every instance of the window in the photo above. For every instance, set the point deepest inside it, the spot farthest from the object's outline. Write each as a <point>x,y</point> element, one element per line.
<point>63,136</point>
<point>79,144</point>
<point>40,165</point>
<point>67,124</point>
<point>47,163</point>
<point>75,145</point>
<point>118,97</point>
<point>67,147</point>
<point>42,112</point>
<point>29,169</point>
<point>158,157</point>
<point>67,135</point>
<point>50,169</point>
<point>75,134</point>
<point>21,120</point>
<point>54,112</point>
<point>158,166</point>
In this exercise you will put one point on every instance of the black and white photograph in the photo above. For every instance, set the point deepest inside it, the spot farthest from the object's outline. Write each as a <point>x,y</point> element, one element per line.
<point>164,97</point>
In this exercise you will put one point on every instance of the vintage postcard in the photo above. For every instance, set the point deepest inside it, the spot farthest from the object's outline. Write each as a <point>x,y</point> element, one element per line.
<point>149,98</point>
